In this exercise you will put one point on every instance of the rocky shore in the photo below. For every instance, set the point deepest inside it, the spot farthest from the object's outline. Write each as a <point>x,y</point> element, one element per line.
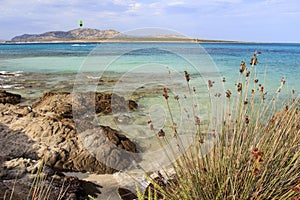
<point>44,135</point>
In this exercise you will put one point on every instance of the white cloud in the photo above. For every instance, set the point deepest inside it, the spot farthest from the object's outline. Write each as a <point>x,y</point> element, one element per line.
<point>176,3</point>
<point>186,15</point>
<point>134,7</point>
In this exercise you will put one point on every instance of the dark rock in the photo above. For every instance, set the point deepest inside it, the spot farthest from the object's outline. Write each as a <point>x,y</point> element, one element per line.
<point>108,147</point>
<point>10,98</point>
<point>128,145</point>
<point>83,104</point>
<point>126,194</point>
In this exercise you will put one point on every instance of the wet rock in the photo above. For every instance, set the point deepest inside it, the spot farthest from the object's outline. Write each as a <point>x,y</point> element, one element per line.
<point>9,98</point>
<point>61,104</point>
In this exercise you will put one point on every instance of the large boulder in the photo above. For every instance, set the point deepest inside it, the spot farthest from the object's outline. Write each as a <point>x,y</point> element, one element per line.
<point>10,98</point>
<point>20,166</point>
<point>58,142</point>
<point>65,145</point>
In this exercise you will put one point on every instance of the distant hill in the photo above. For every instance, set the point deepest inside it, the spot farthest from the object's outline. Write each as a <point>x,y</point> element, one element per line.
<point>95,35</point>
<point>76,34</point>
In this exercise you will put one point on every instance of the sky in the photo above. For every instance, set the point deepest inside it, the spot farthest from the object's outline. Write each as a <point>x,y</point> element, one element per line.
<point>242,20</point>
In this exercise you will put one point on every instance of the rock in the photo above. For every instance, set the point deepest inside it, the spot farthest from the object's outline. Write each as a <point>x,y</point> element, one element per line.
<point>126,194</point>
<point>61,104</point>
<point>46,131</point>
<point>58,104</point>
<point>20,182</point>
<point>89,148</point>
<point>108,147</point>
<point>128,145</point>
<point>6,97</point>
<point>14,143</point>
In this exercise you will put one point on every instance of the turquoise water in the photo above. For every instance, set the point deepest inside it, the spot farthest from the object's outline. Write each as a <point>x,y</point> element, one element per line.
<point>278,60</point>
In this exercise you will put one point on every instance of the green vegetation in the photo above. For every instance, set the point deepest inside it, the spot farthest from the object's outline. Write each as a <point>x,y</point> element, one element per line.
<point>256,154</point>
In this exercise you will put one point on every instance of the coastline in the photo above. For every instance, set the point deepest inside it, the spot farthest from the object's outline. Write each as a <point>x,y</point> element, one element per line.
<point>199,41</point>
<point>132,40</point>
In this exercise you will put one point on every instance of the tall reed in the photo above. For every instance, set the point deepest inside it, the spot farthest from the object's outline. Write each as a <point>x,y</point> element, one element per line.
<point>257,151</point>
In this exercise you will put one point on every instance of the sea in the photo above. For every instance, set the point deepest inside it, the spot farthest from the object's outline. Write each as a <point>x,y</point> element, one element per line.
<point>276,60</point>
<point>140,71</point>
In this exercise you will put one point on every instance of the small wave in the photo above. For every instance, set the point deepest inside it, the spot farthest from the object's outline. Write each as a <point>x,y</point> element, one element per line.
<point>78,45</point>
<point>14,86</point>
<point>6,73</point>
<point>94,77</point>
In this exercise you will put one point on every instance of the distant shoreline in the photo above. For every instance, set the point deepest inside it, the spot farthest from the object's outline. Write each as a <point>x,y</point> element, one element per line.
<point>133,40</point>
<point>140,40</point>
<point>89,35</point>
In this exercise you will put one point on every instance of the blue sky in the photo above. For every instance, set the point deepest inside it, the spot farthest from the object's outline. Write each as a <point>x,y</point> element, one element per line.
<point>244,20</point>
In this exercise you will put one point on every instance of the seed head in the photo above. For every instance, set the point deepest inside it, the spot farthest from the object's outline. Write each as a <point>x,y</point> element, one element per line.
<point>176,97</point>
<point>161,133</point>
<point>228,94</point>
<point>197,121</point>
<point>166,94</point>
<point>243,67</point>
<point>248,74</point>
<point>239,87</point>
<point>296,189</point>
<point>210,83</point>
<point>256,171</point>
<point>262,89</point>
<point>151,125</point>
<point>218,94</point>
<point>247,120</point>
<point>282,81</point>
<point>187,76</point>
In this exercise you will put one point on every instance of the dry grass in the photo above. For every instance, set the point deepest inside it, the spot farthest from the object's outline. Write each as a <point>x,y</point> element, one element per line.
<point>257,154</point>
